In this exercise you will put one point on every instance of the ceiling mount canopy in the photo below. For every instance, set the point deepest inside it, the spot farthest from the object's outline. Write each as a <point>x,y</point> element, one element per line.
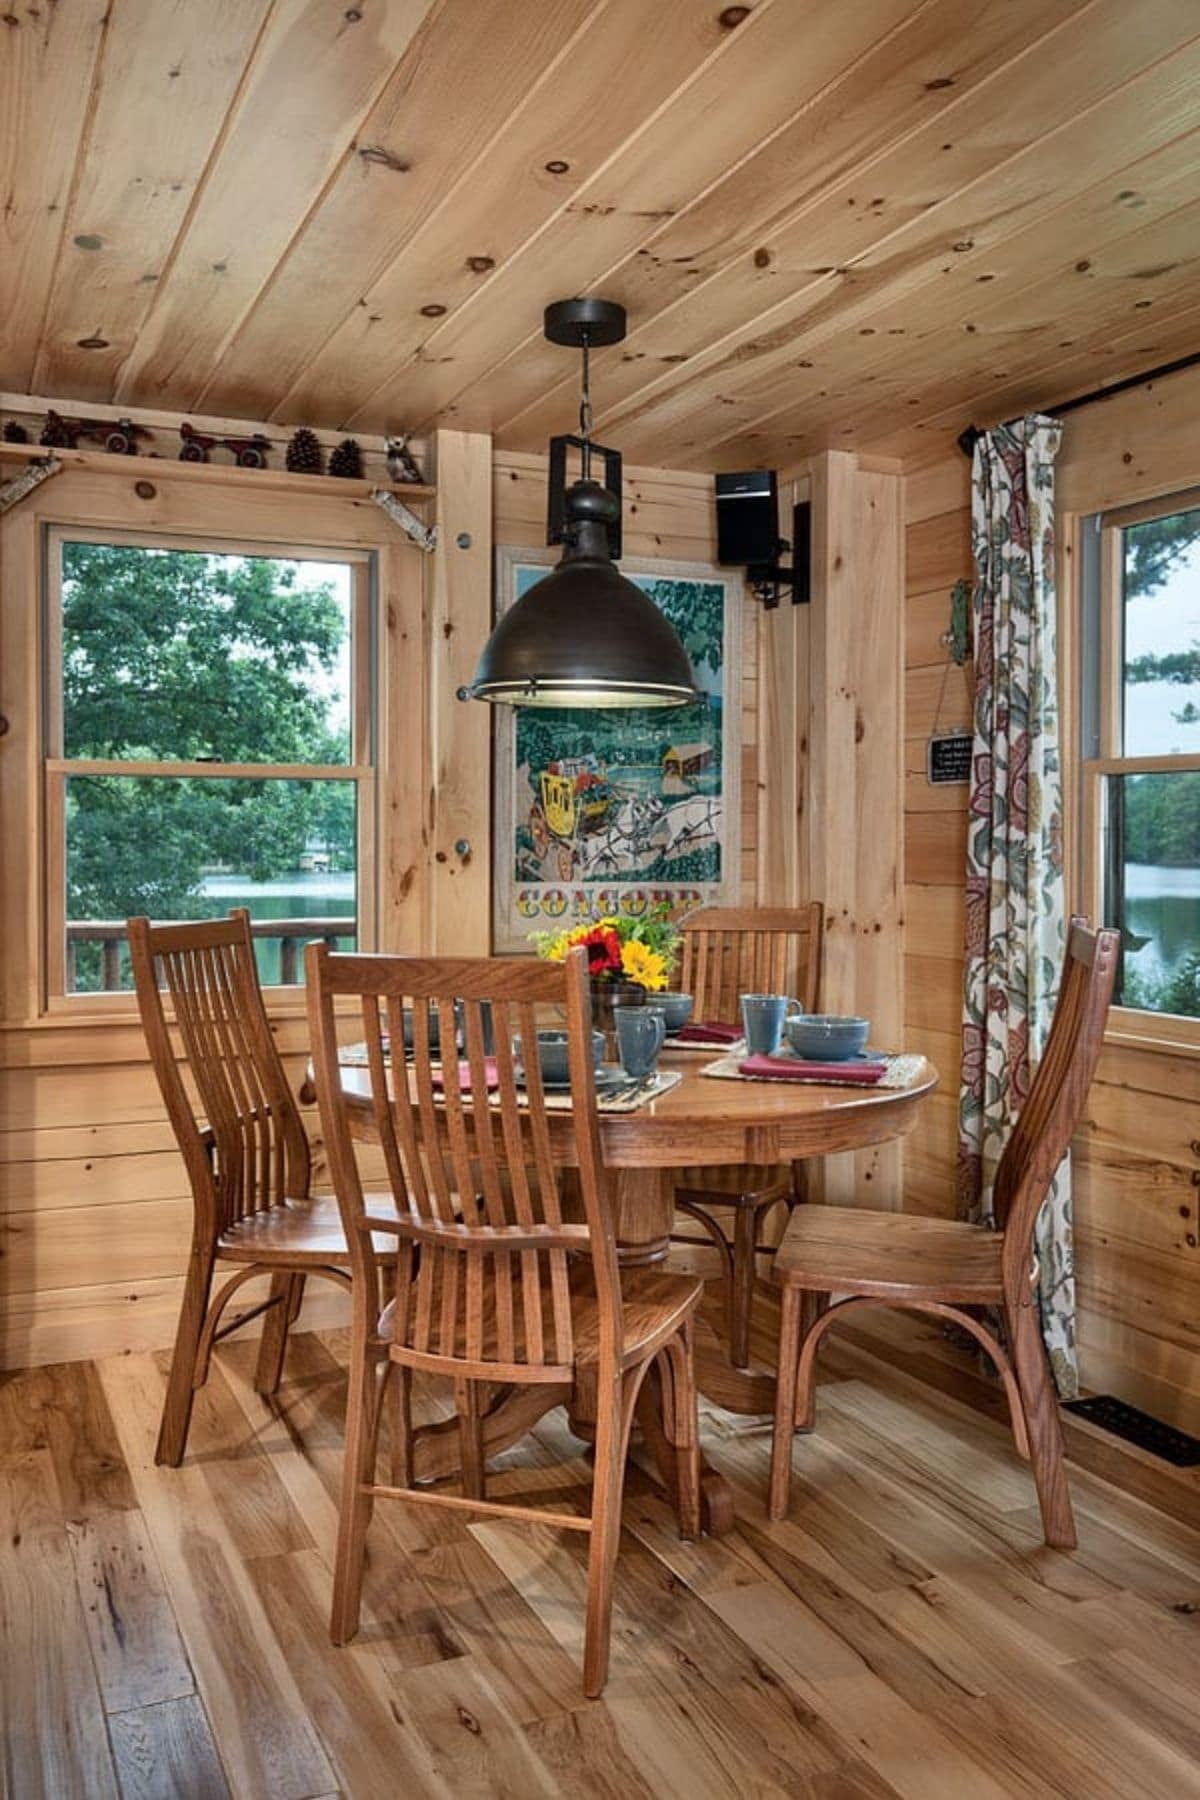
<point>584,635</point>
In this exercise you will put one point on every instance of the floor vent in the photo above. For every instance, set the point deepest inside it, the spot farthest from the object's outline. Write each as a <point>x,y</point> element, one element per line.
<point>1138,1428</point>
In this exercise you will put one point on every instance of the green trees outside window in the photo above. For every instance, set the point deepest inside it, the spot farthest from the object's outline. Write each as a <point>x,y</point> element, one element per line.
<point>189,656</point>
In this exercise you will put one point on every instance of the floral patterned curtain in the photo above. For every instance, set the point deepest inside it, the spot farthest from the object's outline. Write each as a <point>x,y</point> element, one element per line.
<point>1016,914</point>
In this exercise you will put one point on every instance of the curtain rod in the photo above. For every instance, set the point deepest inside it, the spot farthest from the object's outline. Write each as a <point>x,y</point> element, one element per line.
<point>968,439</point>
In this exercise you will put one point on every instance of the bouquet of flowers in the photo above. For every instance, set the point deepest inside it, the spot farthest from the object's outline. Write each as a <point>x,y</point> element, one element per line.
<point>643,951</point>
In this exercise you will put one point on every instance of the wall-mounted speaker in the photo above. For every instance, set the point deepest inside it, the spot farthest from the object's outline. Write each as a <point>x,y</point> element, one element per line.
<point>748,535</point>
<point>747,518</point>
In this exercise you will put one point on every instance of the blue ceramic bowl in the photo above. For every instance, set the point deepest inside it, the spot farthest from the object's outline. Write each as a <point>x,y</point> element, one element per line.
<point>824,1037</point>
<point>676,1009</point>
<point>553,1055</point>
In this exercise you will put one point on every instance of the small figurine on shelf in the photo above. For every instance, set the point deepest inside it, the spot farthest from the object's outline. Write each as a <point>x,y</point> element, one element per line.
<point>251,452</point>
<point>59,433</point>
<point>304,453</point>
<point>401,463</point>
<point>15,434</point>
<point>194,446</point>
<point>347,461</point>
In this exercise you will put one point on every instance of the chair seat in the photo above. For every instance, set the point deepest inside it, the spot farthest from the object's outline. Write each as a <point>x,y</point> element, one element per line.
<point>735,1184</point>
<point>300,1234</point>
<point>654,1304</point>
<point>843,1249</point>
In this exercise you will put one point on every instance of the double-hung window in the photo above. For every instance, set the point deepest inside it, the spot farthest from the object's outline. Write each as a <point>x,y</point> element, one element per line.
<point>1141,750</point>
<point>209,745</point>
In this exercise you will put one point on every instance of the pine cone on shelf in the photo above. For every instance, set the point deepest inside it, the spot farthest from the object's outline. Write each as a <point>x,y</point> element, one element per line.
<point>304,455</point>
<point>347,461</point>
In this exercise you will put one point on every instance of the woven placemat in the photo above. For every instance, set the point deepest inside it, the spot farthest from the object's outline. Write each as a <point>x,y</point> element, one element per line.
<point>901,1072</point>
<point>735,1049</point>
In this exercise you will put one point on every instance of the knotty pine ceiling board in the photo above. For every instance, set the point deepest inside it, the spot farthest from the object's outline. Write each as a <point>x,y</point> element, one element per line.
<point>849,225</point>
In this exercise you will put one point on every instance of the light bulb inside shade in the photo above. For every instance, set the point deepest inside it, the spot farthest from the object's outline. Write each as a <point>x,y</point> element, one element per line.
<point>580,693</point>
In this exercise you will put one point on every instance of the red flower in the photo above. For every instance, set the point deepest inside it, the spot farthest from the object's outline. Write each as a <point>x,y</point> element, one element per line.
<point>603,948</point>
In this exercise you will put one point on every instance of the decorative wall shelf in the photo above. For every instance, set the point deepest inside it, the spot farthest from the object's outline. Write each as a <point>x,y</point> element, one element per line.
<point>148,468</point>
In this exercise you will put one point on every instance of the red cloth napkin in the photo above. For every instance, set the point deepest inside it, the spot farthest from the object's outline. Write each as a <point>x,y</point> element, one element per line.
<point>491,1075</point>
<point>710,1032</point>
<point>790,1068</point>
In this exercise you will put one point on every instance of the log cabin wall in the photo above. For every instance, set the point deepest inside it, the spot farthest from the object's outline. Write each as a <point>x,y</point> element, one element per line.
<point>94,1212</point>
<point>1137,1159</point>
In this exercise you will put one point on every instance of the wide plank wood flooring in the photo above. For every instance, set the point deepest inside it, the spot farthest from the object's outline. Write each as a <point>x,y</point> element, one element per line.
<point>903,1632</point>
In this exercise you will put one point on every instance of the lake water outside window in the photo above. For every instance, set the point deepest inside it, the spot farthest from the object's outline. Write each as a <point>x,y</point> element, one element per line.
<point>1149,797</point>
<point>211,724</point>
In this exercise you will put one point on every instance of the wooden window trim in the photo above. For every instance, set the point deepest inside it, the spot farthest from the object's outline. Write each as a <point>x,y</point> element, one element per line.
<point>1131,1027</point>
<point>56,1005</point>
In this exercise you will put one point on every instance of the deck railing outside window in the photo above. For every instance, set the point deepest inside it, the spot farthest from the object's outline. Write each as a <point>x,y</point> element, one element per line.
<point>290,935</point>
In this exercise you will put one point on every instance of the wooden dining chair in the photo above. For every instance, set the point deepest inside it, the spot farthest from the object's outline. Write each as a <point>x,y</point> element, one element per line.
<point>727,952</point>
<point>493,1284</point>
<point>950,1268</point>
<point>244,1147</point>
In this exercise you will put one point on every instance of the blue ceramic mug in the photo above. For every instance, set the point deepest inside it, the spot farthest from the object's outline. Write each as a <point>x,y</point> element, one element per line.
<point>763,1019</point>
<point>640,1034</point>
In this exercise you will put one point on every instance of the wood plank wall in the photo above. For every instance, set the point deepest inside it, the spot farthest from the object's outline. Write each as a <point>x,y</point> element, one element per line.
<point>94,1214</point>
<point>1137,1158</point>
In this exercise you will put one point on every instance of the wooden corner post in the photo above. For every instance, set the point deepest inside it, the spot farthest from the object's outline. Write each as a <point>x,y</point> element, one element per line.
<point>460,618</point>
<point>854,811</point>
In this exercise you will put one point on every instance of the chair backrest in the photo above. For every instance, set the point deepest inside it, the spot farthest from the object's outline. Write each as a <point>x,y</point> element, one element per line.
<point>482,1269</point>
<point>245,1148</point>
<point>728,951</point>
<point>1054,1105</point>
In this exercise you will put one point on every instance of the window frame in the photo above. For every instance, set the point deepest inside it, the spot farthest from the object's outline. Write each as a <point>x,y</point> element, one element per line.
<point>1100,719</point>
<point>56,769</point>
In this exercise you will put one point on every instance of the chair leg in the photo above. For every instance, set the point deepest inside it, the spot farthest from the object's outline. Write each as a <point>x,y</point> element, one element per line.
<point>680,1423</point>
<point>470,1439</point>
<point>813,1305</point>
<point>607,1483</point>
<point>400,1388</point>
<point>287,1290</point>
<point>1040,1404</point>
<point>181,1382</point>
<point>780,1487</point>
<point>741,1284</point>
<point>363,1411</point>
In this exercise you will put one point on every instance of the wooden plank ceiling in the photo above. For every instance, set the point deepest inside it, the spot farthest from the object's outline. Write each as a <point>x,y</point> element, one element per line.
<point>855,224</point>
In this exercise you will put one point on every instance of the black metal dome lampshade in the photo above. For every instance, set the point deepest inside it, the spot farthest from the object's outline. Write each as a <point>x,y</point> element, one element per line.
<point>584,635</point>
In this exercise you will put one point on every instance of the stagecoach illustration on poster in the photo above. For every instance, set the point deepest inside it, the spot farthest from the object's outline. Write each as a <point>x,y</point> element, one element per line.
<point>609,810</point>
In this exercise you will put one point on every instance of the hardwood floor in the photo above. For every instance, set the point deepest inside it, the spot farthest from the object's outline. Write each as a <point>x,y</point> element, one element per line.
<point>902,1632</point>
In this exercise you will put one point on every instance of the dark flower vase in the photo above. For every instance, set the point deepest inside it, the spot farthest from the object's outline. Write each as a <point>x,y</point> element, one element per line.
<point>606,995</point>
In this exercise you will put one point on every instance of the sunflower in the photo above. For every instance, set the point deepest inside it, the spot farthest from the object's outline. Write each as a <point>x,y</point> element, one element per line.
<point>647,967</point>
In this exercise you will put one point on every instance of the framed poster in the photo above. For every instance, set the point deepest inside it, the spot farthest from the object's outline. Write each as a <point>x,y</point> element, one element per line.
<point>611,809</point>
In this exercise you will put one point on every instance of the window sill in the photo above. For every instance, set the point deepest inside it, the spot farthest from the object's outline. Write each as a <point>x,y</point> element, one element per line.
<point>1166,1034</point>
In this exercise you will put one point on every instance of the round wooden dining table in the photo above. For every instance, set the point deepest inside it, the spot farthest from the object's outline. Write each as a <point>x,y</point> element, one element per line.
<point>700,1120</point>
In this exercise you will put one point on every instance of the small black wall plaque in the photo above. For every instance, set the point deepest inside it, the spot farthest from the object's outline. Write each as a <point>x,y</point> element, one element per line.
<point>948,758</point>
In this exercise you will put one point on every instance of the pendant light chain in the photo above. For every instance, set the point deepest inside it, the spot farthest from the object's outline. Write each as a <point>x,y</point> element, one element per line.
<point>585,414</point>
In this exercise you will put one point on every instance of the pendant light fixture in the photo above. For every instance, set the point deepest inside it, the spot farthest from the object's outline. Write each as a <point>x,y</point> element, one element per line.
<point>584,635</point>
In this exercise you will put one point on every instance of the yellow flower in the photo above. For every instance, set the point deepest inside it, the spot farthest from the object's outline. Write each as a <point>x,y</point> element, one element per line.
<point>644,966</point>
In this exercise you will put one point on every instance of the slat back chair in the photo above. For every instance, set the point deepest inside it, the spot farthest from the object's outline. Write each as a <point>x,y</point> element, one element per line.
<point>727,952</point>
<point>945,1266</point>
<point>243,1144</point>
<point>494,1282</point>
